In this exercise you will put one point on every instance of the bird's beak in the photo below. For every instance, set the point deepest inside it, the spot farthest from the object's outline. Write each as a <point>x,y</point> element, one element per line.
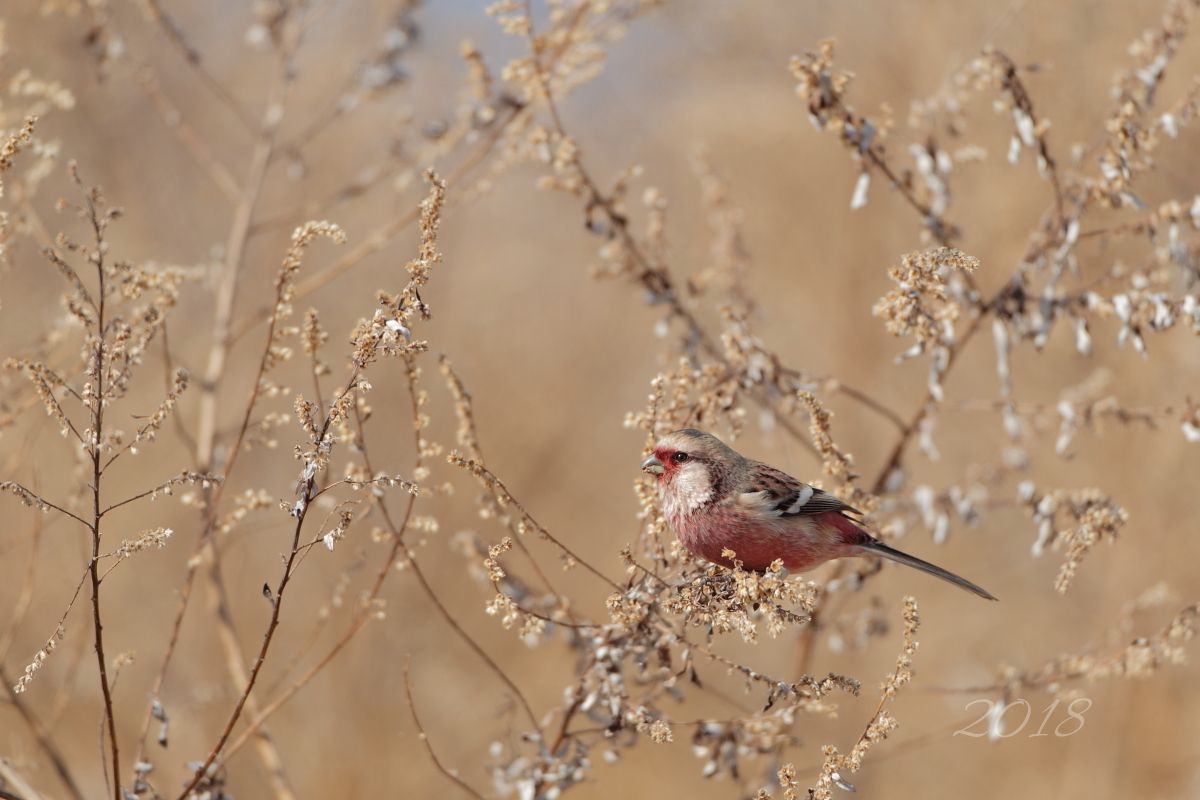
<point>652,465</point>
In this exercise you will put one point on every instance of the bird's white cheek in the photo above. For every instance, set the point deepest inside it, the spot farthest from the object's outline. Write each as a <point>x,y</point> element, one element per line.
<point>690,488</point>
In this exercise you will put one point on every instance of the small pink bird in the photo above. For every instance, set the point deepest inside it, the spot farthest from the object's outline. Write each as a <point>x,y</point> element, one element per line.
<point>715,500</point>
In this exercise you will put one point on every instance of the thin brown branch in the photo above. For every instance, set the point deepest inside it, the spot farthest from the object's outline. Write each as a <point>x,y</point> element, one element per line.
<point>268,636</point>
<point>384,234</point>
<point>41,735</point>
<point>191,141</point>
<point>1011,82</point>
<point>206,435</point>
<point>25,595</point>
<point>37,500</point>
<point>97,409</point>
<point>397,531</point>
<point>226,294</point>
<point>12,778</point>
<point>183,477</point>
<point>654,278</point>
<point>489,477</point>
<point>451,775</point>
<point>276,600</point>
<point>205,551</point>
<point>928,402</point>
<point>191,56</point>
<point>865,399</point>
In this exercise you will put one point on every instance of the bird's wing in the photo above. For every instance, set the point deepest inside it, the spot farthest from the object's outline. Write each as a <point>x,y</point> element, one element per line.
<point>769,491</point>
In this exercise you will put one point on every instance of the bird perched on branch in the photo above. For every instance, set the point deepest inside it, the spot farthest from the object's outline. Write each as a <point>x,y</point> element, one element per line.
<point>717,500</point>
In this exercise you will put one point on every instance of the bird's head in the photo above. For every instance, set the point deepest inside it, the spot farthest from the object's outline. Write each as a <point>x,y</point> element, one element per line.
<point>691,461</point>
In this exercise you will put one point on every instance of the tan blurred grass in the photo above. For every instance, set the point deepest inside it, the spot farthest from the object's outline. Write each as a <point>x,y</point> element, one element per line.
<point>554,361</point>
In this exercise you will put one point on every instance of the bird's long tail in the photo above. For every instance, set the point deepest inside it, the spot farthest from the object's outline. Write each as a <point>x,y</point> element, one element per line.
<point>875,547</point>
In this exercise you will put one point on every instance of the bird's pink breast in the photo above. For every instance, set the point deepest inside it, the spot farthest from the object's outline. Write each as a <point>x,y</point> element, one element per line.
<point>800,542</point>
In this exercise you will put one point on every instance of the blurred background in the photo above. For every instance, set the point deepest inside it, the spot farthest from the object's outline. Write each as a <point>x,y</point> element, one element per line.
<point>555,359</point>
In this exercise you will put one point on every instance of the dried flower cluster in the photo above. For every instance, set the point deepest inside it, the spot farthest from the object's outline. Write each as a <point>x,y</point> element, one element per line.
<point>919,306</point>
<point>642,645</point>
<point>1093,517</point>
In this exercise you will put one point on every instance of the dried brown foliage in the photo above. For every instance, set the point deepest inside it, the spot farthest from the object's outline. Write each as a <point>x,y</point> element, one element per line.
<point>337,479</point>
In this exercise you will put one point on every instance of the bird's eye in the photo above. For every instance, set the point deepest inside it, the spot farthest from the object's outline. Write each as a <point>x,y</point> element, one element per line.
<point>679,458</point>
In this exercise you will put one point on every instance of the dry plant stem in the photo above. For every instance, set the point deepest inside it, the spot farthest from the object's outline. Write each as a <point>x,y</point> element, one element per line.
<point>360,619</point>
<point>191,141</point>
<point>226,292</point>
<point>219,604</point>
<point>397,533</point>
<point>655,279</point>
<point>1149,416</point>
<point>491,478</point>
<point>191,56</point>
<point>807,644</point>
<point>907,431</point>
<point>41,733</point>
<point>276,605</point>
<point>323,207</point>
<point>375,241</point>
<point>1048,677</point>
<point>500,494</point>
<point>181,430</point>
<point>1012,84</point>
<point>381,236</point>
<point>235,667</point>
<point>97,414</point>
<point>939,228</point>
<point>185,593</point>
<point>25,596</point>
<point>398,547</point>
<point>901,748</point>
<point>66,691</point>
<point>30,212</point>
<point>59,508</point>
<point>204,550</point>
<point>207,432</point>
<point>897,453</point>
<point>43,737</point>
<point>873,404</point>
<point>272,624</point>
<point>424,737</point>
<point>427,587</point>
<point>10,777</point>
